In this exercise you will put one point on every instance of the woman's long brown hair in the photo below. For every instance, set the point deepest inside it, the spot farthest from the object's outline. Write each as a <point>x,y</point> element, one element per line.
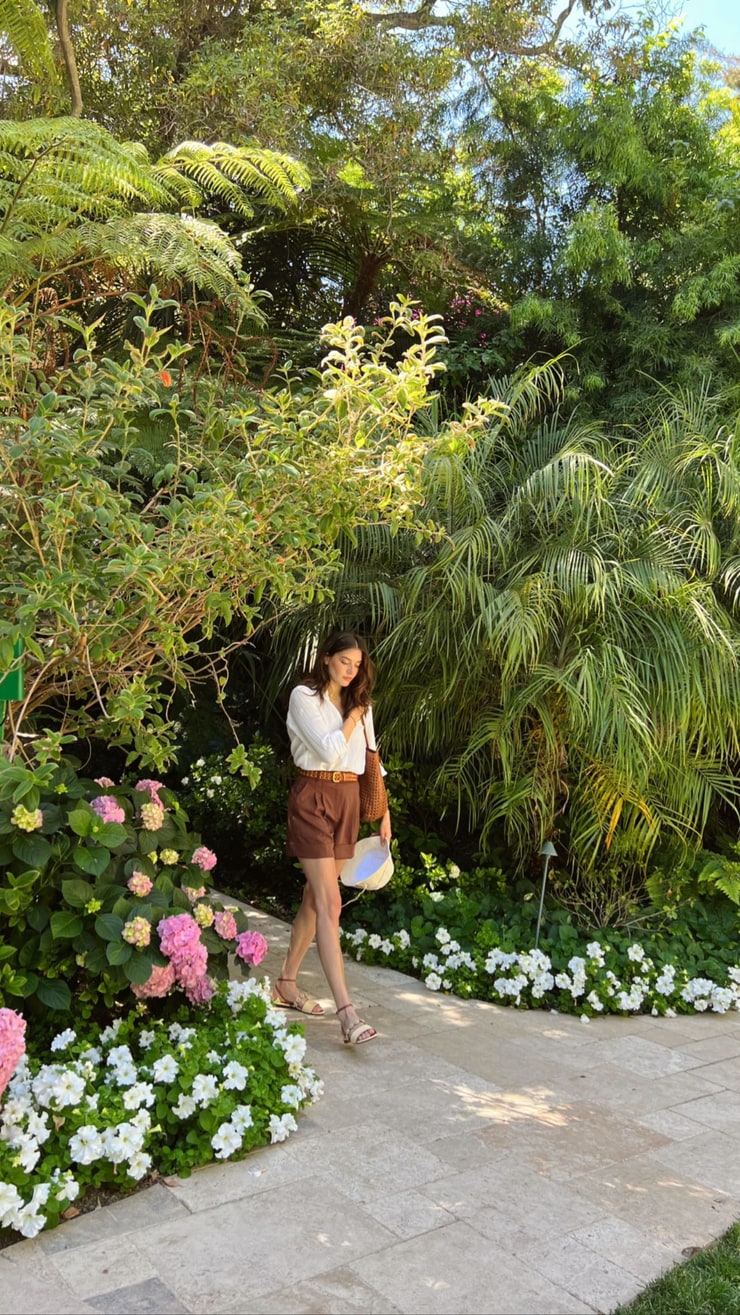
<point>357,693</point>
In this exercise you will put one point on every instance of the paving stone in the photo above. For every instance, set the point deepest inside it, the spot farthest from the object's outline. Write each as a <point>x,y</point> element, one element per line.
<point>23,1292</point>
<point>720,1110</point>
<point>407,1213</point>
<point>638,1055</point>
<point>509,1203</point>
<point>667,1203</point>
<point>712,1159</point>
<point>565,1139</point>
<point>340,1292</point>
<point>101,1266</point>
<point>584,1274</point>
<point>149,1298</point>
<point>215,1259</point>
<point>448,1271</point>
<point>674,1123</point>
<point>725,1073</point>
<point>713,1048</point>
<point>630,1247</point>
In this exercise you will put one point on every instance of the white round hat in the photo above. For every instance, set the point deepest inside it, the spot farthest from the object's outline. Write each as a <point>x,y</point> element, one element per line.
<point>371,867</point>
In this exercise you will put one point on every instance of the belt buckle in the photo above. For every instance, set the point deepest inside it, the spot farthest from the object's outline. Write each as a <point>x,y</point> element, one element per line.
<point>336,777</point>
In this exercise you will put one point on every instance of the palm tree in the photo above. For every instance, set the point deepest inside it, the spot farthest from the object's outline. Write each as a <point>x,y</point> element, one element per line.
<point>568,652</point>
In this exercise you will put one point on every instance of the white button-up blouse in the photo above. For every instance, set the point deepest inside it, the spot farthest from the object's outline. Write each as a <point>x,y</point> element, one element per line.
<point>317,743</point>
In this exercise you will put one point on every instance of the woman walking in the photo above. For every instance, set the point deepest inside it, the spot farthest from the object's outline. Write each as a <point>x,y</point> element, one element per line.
<point>329,716</point>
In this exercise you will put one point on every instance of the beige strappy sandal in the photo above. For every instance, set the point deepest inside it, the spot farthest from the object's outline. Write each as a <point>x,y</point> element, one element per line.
<point>302,1002</point>
<point>357,1034</point>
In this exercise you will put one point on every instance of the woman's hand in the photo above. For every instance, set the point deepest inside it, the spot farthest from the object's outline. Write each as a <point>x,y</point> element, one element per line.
<point>385,828</point>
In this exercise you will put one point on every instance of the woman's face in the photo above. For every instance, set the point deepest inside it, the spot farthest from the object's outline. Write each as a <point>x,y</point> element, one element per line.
<point>344,666</point>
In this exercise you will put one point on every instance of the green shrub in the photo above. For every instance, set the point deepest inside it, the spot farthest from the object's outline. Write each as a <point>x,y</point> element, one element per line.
<point>73,853</point>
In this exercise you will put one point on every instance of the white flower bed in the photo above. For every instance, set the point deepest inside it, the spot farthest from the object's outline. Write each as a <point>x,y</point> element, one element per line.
<point>111,1105</point>
<point>529,979</point>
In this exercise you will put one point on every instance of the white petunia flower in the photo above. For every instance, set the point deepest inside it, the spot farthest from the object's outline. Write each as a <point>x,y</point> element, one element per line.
<point>63,1039</point>
<point>139,1164</point>
<point>280,1128</point>
<point>205,1089</point>
<point>86,1145</point>
<point>185,1107</point>
<point>294,1048</point>
<point>235,1076</point>
<point>226,1141</point>
<point>241,1118</point>
<point>140,1094</point>
<point>165,1069</point>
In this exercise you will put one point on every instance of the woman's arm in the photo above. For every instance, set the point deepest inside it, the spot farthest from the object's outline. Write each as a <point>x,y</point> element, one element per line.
<point>304,713</point>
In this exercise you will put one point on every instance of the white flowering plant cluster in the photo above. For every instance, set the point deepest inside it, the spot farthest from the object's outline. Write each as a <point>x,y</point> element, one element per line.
<point>113,1105</point>
<point>453,943</point>
<point>89,870</point>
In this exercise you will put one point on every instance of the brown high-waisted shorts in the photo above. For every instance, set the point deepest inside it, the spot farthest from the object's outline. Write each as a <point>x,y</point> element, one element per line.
<point>323,818</point>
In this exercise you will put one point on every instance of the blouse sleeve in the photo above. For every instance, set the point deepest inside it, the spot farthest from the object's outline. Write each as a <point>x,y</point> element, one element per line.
<point>305,721</point>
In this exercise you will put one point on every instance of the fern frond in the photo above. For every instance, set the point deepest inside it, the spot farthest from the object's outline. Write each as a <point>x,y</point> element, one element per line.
<point>193,171</point>
<point>22,23</point>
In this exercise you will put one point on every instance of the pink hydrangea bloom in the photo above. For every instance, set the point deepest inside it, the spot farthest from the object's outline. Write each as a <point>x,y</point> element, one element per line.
<point>251,946</point>
<point>204,858</point>
<point>105,782</point>
<point>152,816</point>
<point>201,990</point>
<point>180,940</point>
<point>178,935</point>
<point>152,788</point>
<point>194,894</point>
<point>139,883</point>
<point>138,932</point>
<point>12,1045</point>
<point>225,925</point>
<point>161,980</point>
<point>108,808</point>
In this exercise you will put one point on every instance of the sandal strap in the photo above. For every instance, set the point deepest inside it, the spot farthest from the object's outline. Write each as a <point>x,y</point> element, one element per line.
<point>341,1007</point>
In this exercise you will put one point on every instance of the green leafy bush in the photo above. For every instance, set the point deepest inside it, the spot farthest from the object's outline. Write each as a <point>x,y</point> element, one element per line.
<point>89,870</point>
<point>242,796</point>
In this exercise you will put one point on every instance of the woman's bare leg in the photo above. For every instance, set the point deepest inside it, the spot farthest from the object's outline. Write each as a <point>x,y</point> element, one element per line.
<point>324,901</point>
<point>319,913</point>
<point>302,934</point>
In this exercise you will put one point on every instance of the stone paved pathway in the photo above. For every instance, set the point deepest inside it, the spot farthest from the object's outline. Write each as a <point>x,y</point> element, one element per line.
<point>472,1159</point>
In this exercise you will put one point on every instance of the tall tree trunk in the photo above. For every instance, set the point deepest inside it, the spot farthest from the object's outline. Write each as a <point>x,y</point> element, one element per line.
<point>371,263</point>
<point>68,54</point>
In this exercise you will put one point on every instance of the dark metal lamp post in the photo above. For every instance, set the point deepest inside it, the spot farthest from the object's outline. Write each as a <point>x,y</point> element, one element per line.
<point>548,851</point>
